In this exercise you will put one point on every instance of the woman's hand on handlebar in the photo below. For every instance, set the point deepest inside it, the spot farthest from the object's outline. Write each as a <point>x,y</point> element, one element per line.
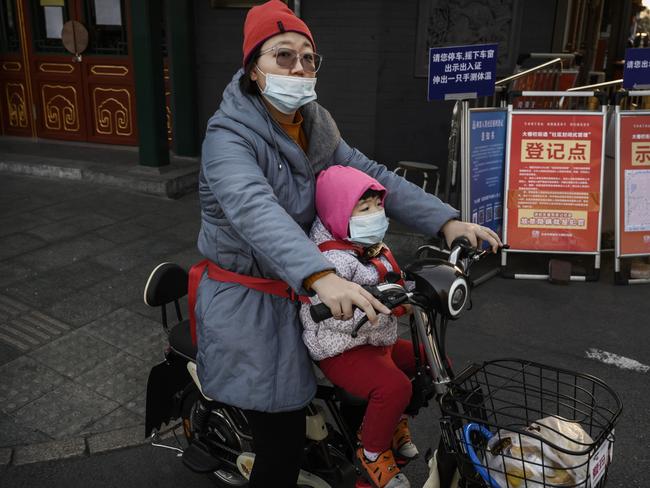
<point>474,232</point>
<point>341,296</point>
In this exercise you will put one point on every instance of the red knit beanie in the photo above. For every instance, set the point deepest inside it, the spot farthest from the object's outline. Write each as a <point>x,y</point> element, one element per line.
<point>267,20</point>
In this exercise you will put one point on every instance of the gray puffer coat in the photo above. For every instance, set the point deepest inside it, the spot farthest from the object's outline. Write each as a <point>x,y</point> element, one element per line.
<point>256,189</point>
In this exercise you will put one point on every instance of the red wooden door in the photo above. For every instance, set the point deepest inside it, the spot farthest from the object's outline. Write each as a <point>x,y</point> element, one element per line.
<point>16,117</point>
<point>89,97</point>
<point>109,84</point>
<point>56,77</point>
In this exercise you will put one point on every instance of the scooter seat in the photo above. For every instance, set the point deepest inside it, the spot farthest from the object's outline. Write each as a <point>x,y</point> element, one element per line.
<point>180,340</point>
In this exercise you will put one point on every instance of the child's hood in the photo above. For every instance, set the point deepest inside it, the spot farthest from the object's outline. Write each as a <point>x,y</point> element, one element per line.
<point>338,189</point>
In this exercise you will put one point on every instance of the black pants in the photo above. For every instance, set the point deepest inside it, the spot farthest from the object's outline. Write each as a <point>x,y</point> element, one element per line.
<point>278,441</point>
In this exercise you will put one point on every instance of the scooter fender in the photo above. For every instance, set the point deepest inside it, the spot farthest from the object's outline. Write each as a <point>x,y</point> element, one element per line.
<point>166,387</point>
<point>433,481</point>
<point>246,460</point>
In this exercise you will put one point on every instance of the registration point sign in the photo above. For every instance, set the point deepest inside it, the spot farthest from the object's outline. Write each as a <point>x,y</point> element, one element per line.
<point>462,72</point>
<point>553,182</point>
<point>634,184</point>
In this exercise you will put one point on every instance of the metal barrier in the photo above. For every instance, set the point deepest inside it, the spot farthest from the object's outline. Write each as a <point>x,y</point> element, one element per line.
<point>545,76</point>
<point>609,88</point>
<point>548,76</point>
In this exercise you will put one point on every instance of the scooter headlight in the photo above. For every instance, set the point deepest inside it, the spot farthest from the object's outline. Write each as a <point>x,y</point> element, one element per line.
<point>444,283</point>
<point>457,297</point>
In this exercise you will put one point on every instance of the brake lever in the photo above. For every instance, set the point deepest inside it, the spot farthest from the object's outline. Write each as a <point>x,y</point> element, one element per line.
<point>479,255</point>
<point>391,301</point>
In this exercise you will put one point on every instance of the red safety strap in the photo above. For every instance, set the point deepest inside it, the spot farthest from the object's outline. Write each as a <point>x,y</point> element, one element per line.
<point>376,262</point>
<point>340,246</point>
<point>195,274</point>
<point>273,287</point>
<point>359,250</point>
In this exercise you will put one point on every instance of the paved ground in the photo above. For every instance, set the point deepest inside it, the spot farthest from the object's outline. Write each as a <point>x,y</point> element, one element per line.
<point>76,340</point>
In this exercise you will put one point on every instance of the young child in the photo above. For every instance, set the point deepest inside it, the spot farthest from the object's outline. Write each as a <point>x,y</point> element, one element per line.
<point>375,365</point>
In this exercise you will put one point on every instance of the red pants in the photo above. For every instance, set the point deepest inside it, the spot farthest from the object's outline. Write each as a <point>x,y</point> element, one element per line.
<point>380,374</point>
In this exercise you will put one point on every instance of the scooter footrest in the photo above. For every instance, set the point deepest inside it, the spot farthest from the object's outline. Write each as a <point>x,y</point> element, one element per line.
<point>197,458</point>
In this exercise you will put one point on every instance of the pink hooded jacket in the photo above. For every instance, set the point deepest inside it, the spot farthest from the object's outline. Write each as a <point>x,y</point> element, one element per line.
<point>338,189</point>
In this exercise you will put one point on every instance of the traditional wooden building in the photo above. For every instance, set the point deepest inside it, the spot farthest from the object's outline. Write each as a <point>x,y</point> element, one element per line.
<point>68,71</point>
<point>150,72</point>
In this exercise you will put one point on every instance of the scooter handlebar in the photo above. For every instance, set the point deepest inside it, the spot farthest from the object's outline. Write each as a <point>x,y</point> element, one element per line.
<point>320,312</point>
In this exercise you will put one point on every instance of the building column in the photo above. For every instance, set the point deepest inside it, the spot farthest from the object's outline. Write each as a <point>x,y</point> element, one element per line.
<point>146,19</point>
<point>182,72</point>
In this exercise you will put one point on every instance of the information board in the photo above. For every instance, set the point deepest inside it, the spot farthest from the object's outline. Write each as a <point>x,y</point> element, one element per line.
<point>487,154</point>
<point>462,72</point>
<point>634,184</point>
<point>636,71</point>
<point>553,181</point>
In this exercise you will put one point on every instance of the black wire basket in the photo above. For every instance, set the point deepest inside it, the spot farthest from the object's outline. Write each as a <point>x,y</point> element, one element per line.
<point>513,423</point>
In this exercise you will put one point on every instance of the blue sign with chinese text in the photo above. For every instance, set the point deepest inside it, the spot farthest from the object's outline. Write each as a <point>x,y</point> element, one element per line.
<point>487,156</point>
<point>637,68</point>
<point>462,72</point>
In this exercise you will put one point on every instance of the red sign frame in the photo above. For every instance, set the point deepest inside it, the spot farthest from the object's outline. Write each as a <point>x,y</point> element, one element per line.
<point>633,162</point>
<point>554,182</point>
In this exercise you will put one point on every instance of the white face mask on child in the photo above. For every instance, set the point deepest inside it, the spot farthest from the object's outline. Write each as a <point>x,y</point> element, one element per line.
<point>369,229</point>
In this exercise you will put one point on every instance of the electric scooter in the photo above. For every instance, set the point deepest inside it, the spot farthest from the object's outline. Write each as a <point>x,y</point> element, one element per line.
<point>218,441</point>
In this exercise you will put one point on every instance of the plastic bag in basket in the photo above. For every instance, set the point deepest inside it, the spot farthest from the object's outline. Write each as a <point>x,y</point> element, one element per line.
<point>519,458</point>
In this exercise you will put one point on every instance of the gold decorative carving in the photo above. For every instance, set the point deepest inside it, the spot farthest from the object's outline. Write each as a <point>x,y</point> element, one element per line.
<point>111,115</point>
<point>11,66</point>
<point>60,110</point>
<point>56,68</point>
<point>25,55</point>
<point>168,115</point>
<point>16,106</point>
<point>106,70</point>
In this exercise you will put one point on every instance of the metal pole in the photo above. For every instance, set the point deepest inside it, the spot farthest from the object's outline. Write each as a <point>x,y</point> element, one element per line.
<point>602,178</point>
<point>464,162</point>
<point>438,371</point>
<point>506,181</point>
<point>617,192</point>
<point>516,76</point>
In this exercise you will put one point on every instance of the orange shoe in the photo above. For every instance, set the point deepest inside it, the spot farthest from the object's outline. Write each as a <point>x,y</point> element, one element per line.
<point>383,472</point>
<point>403,447</point>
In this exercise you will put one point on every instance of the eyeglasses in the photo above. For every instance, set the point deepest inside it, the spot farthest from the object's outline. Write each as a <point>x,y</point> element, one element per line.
<point>286,58</point>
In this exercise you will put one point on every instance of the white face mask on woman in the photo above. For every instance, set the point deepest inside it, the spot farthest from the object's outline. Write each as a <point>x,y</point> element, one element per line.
<point>369,229</point>
<point>288,93</point>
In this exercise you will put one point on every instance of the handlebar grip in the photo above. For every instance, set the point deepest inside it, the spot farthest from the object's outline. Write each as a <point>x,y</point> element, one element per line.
<point>461,241</point>
<point>320,312</point>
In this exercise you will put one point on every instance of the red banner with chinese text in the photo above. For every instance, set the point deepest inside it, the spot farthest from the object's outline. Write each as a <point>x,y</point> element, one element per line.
<point>554,181</point>
<point>634,190</point>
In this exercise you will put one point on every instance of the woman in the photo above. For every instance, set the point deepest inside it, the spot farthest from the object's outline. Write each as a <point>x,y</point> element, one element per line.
<point>261,151</point>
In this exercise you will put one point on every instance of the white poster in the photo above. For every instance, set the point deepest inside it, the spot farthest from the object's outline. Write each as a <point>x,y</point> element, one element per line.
<point>53,22</point>
<point>108,12</point>
<point>637,200</point>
